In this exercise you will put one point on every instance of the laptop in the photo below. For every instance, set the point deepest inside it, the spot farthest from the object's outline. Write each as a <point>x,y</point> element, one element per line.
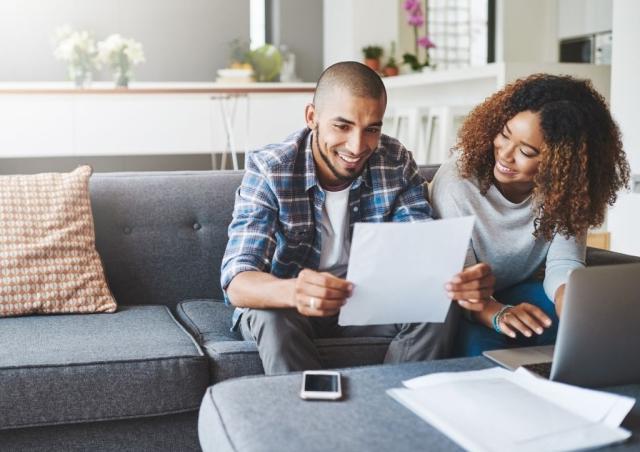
<point>598,342</point>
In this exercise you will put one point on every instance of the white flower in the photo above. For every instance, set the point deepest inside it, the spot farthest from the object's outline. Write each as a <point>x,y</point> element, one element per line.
<point>76,47</point>
<point>120,53</point>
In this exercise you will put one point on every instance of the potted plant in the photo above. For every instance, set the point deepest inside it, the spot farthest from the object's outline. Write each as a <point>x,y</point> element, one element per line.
<point>391,68</point>
<point>416,19</point>
<point>372,56</point>
<point>78,49</point>
<point>120,54</point>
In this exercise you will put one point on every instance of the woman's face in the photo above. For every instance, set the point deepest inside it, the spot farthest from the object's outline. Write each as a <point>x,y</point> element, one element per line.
<point>517,153</point>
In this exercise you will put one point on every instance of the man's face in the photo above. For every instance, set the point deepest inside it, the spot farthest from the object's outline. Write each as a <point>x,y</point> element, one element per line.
<point>346,131</point>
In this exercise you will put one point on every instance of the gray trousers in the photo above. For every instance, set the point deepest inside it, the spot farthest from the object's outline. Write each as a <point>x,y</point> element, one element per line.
<point>285,338</point>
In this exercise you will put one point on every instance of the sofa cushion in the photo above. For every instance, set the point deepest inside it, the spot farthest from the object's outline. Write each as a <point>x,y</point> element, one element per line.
<point>230,357</point>
<point>597,256</point>
<point>136,362</point>
<point>48,259</point>
<point>162,235</point>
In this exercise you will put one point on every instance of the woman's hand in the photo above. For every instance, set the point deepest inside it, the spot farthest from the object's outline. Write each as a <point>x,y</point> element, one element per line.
<point>524,318</point>
<point>472,287</point>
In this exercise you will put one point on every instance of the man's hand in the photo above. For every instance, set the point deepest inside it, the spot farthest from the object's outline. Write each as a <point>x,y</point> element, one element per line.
<point>472,287</point>
<point>320,294</point>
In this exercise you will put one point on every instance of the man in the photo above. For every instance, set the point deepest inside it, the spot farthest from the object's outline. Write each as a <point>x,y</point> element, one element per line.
<point>291,231</point>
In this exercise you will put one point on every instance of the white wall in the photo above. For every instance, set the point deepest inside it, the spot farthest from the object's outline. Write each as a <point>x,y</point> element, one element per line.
<point>526,31</point>
<point>298,25</point>
<point>624,217</point>
<point>184,40</point>
<point>625,67</point>
<point>350,25</point>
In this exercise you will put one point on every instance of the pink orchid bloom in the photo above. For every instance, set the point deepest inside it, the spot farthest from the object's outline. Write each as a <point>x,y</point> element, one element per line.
<point>426,42</point>
<point>416,21</point>
<point>410,5</point>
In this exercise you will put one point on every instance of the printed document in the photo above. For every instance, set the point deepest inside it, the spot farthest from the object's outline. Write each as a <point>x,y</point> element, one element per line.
<point>399,270</point>
<point>497,410</point>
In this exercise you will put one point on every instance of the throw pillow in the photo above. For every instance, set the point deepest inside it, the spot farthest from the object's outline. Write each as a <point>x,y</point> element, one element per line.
<point>48,259</point>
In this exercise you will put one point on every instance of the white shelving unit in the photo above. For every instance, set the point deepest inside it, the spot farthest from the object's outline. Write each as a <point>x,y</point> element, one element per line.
<point>461,89</point>
<point>53,119</point>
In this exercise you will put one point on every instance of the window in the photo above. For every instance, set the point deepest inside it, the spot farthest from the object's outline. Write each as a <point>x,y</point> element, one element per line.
<point>460,31</point>
<point>257,23</point>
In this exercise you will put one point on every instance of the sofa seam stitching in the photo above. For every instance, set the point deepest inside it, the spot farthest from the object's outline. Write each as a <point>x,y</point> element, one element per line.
<point>92,363</point>
<point>191,338</point>
<point>10,427</point>
<point>200,336</point>
<point>224,426</point>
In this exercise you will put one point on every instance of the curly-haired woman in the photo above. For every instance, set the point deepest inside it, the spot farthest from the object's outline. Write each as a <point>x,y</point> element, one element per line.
<point>537,164</point>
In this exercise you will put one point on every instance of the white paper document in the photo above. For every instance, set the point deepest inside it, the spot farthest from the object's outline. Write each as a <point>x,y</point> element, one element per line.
<point>499,410</point>
<point>399,270</point>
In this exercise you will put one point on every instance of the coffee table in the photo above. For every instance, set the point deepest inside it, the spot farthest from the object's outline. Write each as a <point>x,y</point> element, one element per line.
<point>266,414</point>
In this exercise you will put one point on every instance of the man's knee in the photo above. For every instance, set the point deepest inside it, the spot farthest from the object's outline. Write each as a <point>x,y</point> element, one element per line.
<point>275,325</point>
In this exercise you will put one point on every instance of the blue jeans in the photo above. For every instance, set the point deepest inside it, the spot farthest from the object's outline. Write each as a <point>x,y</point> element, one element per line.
<point>474,338</point>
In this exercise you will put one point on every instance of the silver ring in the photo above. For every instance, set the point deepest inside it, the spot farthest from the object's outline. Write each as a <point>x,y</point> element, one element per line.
<point>312,302</point>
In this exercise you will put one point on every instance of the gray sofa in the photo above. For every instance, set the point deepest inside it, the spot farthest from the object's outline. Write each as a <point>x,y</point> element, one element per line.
<point>134,380</point>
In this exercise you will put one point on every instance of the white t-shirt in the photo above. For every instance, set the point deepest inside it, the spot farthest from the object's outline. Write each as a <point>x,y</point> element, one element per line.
<point>334,230</point>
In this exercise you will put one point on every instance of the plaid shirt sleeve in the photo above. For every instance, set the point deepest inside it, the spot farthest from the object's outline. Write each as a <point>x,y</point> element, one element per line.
<point>411,204</point>
<point>252,241</point>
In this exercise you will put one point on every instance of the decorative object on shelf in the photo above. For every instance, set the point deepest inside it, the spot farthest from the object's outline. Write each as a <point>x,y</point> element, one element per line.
<point>391,68</point>
<point>239,55</point>
<point>235,75</point>
<point>416,19</point>
<point>266,62</point>
<point>120,54</point>
<point>239,70</point>
<point>288,72</point>
<point>372,55</point>
<point>78,49</point>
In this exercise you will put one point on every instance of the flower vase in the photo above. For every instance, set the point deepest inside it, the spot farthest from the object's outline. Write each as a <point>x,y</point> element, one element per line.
<point>122,78</point>
<point>80,76</point>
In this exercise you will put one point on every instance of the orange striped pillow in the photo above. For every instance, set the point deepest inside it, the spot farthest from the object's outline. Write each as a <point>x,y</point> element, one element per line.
<point>48,259</point>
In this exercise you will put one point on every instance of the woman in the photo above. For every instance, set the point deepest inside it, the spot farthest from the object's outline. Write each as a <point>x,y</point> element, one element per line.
<point>537,164</point>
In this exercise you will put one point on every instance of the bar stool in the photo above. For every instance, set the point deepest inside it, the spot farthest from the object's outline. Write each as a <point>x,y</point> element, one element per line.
<point>228,105</point>
<point>429,132</point>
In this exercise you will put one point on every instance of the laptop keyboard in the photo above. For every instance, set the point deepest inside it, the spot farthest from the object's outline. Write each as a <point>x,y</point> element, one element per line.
<point>542,369</point>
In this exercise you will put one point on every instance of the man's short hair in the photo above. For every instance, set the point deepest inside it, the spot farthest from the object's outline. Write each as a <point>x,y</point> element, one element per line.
<point>357,78</point>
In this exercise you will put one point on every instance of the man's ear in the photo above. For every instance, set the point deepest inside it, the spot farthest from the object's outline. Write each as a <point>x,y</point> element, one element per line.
<point>310,115</point>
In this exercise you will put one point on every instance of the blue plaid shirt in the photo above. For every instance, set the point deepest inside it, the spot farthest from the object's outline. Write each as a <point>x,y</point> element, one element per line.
<point>278,206</point>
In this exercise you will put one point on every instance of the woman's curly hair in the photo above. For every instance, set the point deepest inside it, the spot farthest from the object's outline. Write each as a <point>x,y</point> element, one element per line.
<point>582,166</point>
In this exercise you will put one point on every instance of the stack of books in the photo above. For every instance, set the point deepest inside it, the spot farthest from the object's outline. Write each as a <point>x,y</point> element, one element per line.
<point>233,76</point>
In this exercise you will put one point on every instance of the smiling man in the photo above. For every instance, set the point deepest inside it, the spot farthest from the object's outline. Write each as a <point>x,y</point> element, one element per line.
<point>289,239</point>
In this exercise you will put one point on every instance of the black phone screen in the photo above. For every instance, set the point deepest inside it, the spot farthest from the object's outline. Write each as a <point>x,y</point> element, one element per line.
<point>315,382</point>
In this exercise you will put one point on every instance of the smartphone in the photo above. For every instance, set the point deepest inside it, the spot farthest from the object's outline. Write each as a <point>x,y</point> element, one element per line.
<point>321,385</point>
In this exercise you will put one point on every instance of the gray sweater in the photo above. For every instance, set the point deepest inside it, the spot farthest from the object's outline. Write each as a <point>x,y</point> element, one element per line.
<point>503,232</point>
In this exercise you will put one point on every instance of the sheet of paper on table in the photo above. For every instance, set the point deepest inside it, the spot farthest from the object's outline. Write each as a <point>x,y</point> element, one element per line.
<point>496,409</point>
<point>399,270</point>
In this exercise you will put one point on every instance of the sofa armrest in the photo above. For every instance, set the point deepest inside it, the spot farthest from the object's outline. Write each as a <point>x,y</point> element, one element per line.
<point>597,256</point>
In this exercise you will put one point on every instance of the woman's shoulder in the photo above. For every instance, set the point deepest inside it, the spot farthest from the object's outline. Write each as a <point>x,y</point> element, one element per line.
<point>448,177</point>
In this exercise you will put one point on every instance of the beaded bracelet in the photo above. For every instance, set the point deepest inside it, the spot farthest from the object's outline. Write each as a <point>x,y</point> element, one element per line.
<point>498,316</point>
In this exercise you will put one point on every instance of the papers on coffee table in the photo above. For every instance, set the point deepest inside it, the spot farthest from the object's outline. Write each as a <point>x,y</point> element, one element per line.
<point>496,410</point>
<point>399,270</point>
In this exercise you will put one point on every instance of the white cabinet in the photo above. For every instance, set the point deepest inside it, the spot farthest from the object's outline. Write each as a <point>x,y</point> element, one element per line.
<point>156,124</point>
<point>584,17</point>
<point>274,116</point>
<point>152,122</point>
<point>35,127</point>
